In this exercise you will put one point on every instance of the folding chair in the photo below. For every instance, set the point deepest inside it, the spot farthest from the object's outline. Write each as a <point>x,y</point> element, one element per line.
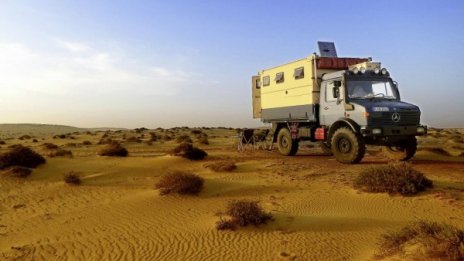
<point>244,138</point>
<point>260,139</point>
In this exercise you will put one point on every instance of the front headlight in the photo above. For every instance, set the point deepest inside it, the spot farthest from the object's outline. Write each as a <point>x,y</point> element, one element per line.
<point>421,130</point>
<point>376,131</point>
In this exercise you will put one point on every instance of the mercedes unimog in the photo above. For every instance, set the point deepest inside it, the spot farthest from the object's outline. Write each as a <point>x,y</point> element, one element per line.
<point>342,103</point>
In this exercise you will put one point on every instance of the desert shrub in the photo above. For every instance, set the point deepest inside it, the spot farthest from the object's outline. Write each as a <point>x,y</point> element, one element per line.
<point>2,142</point>
<point>225,224</point>
<point>187,150</point>
<point>71,144</point>
<point>20,156</point>
<point>222,166</point>
<point>183,138</point>
<point>153,136</point>
<point>72,178</point>
<point>203,139</point>
<point>18,171</point>
<point>114,149</point>
<point>25,137</point>
<point>167,137</point>
<point>244,212</point>
<point>180,183</point>
<point>134,139</point>
<point>139,130</point>
<point>196,132</point>
<point>424,241</point>
<point>395,178</point>
<point>60,153</point>
<point>35,140</point>
<point>50,146</point>
<point>103,141</point>
<point>86,142</point>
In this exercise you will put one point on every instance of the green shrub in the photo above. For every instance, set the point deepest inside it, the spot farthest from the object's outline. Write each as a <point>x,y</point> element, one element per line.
<point>184,138</point>
<point>395,178</point>
<point>180,183</point>
<point>19,155</point>
<point>424,241</point>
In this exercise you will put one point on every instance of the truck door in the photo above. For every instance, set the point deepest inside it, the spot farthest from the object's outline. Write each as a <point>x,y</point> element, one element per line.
<point>256,92</point>
<point>330,111</point>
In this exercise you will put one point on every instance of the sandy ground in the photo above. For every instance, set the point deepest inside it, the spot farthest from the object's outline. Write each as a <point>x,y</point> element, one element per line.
<point>116,214</point>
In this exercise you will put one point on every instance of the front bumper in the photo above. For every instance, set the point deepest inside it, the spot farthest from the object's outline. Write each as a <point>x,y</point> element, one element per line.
<point>392,131</point>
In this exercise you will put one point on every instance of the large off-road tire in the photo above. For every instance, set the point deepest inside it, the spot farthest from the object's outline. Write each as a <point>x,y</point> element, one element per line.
<point>402,151</point>
<point>325,148</point>
<point>347,146</point>
<point>286,145</point>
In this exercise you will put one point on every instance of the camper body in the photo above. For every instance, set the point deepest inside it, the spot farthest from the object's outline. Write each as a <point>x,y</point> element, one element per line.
<point>343,103</point>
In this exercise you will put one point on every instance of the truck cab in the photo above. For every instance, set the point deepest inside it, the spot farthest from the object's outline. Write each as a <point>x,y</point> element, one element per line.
<point>367,103</point>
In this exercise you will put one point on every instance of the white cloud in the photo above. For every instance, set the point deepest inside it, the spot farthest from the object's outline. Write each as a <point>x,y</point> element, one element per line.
<point>83,68</point>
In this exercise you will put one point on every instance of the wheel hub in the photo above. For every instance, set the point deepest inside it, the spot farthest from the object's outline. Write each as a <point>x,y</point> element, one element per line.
<point>344,145</point>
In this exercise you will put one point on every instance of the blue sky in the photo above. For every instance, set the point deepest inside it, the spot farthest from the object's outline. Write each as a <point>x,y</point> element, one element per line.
<point>177,63</point>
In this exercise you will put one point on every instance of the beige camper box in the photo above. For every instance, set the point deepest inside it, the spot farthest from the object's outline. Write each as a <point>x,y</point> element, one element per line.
<point>291,91</point>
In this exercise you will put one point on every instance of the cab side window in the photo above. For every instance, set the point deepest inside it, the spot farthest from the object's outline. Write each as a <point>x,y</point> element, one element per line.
<point>329,95</point>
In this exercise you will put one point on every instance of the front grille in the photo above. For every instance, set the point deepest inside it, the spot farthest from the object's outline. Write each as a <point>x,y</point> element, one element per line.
<point>385,118</point>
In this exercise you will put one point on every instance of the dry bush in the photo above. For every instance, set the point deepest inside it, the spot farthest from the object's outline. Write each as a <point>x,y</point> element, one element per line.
<point>180,183</point>
<point>25,137</point>
<point>103,141</point>
<point>86,142</point>
<point>427,240</point>
<point>35,140</point>
<point>196,132</point>
<point>203,139</point>
<point>2,142</point>
<point>114,149</point>
<point>222,166</point>
<point>187,150</point>
<point>184,138</point>
<point>395,178</point>
<point>245,212</point>
<point>72,178</point>
<point>50,146</point>
<point>18,171</point>
<point>60,153</point>
<point>134,139</point>
<point>153,136</point>
<point>20,156</point>
<point>225,224</point>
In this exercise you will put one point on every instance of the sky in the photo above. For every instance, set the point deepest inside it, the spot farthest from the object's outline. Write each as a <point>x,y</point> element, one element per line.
<point>172,63</point>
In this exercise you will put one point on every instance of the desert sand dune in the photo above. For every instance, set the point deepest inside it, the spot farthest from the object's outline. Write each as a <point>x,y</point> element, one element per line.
<point>116,214</point>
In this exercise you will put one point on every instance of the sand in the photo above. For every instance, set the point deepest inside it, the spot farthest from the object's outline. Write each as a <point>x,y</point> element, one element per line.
<point>116,214</point>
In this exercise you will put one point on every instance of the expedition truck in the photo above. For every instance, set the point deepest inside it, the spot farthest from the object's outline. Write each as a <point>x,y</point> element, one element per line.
<point>343,103</point>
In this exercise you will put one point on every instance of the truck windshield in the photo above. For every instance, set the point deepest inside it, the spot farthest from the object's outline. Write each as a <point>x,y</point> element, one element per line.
<point>370,89</point>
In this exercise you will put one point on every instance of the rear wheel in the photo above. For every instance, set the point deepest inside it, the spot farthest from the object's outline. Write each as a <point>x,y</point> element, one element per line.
<point>403,151</point>
<point>347,146</point>
<point>286,145</point>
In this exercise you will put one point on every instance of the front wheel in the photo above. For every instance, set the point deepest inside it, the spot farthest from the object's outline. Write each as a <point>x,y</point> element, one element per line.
<point>286,145</point>
<point>403,151</point>
<point>347,146</point>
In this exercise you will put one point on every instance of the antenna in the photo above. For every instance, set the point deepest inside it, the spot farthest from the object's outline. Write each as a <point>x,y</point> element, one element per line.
<point>327,49</point>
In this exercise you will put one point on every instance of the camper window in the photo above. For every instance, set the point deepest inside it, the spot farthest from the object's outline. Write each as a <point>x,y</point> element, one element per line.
<point>279,77</point>
<point>266,80</point>
<point>258,84</point>
<point>299,73</point>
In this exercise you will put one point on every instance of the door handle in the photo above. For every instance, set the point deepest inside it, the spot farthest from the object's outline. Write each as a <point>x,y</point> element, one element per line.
<point>326,108</point>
